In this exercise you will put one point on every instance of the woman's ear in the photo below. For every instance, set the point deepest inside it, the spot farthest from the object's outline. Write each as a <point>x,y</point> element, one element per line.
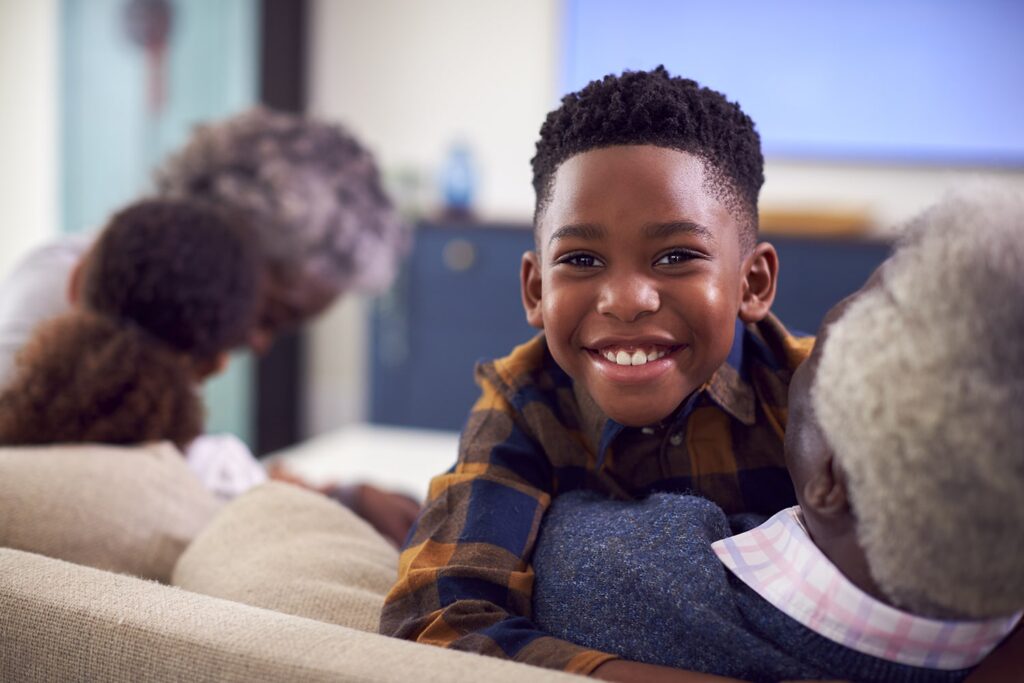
<point>206,369</point>
<point>760,278</point>
<point>530,288</point>
<point>75,282</point>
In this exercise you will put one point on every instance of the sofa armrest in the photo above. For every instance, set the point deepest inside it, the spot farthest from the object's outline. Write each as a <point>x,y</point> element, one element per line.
<point>60,621</point>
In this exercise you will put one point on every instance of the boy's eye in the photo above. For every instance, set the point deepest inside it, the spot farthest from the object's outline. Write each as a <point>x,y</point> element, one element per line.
<point>581,260</point>
<point>676,256</point>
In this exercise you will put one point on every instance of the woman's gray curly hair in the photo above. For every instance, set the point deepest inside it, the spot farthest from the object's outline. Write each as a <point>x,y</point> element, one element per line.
<point>311,191</point>
<point>920,392</point>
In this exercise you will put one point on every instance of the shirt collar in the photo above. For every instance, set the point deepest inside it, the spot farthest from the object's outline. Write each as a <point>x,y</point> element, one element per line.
<point>730,386</point>
<point>780,562</point>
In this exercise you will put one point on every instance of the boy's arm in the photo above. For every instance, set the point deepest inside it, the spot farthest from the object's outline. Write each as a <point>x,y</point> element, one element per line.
<point>465,580</point>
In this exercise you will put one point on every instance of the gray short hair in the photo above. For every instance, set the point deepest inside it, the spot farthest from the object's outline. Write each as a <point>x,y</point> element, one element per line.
<point>920,392</point>
<point>311,191</point>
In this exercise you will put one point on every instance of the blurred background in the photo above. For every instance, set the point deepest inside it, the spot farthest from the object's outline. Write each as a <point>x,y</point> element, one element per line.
<point>868,112</point>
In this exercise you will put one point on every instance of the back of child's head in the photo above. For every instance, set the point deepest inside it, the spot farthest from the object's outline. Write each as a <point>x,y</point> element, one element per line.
<point>654,108</point>
<point>85,377</point>
<point>184,272</point>
<point>920,393</point>
<point>166,289</point>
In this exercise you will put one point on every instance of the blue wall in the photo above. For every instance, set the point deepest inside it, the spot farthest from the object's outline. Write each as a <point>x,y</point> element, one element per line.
<point>110,141</point>
<point>900,80</point>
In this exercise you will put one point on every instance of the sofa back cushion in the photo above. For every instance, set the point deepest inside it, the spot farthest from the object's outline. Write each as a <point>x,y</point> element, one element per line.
<point>284,548</point>
<point>131,510</point>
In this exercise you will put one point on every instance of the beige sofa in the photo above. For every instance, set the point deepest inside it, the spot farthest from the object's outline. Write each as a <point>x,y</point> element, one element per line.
<point>115,565</point>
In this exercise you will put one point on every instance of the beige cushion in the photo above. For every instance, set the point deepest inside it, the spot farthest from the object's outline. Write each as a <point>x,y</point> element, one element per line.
<point>294,551</point>
<point>129,510</point>
<point>64,622</point>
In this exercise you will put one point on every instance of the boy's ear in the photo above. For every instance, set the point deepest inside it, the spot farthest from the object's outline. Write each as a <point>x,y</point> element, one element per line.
<point>530,288</point>
<point>760,278</point>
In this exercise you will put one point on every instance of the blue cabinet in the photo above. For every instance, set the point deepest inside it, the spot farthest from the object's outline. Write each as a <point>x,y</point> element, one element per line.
<point>457,302</point>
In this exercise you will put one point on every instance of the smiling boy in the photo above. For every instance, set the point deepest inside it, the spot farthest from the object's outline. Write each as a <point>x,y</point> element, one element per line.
<point>659,368</point>
<point>905,436</point>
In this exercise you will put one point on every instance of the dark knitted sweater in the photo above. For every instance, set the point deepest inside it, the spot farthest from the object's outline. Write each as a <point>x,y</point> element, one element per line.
<point>639,579</point>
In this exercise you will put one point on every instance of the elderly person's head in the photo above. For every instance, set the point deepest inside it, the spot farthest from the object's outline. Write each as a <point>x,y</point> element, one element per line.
<point>314,197</point>
<point>906,431</point>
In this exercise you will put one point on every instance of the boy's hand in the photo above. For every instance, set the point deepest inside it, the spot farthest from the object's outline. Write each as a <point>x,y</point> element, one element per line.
<point>626,671</point>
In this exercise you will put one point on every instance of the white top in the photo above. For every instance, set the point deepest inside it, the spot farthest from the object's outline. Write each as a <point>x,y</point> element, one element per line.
<point>781,563</point>
<point>36,290</point>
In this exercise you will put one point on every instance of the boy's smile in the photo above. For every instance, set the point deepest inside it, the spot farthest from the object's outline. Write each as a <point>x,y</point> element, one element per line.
<point>638,277</point>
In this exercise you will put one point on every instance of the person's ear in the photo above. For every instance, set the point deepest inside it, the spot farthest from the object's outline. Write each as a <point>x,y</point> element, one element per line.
<point>75,282</point>
<point>825,492</point>
<point>205,369</point>
<point>530,288</point>
<point>760,278</point>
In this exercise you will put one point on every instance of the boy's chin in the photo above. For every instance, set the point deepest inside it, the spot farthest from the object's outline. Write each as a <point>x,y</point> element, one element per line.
<point>643,415</point>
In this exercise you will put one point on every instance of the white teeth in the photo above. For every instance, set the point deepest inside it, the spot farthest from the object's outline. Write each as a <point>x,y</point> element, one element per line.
<point>637,357</point>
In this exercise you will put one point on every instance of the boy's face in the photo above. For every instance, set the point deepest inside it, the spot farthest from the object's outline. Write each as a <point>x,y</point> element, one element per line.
<point>637,280</point>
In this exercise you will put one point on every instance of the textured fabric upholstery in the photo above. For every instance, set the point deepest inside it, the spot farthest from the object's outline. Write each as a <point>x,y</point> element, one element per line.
<point>63,622</point>
<point>293,551</point>
<point>129,510</point>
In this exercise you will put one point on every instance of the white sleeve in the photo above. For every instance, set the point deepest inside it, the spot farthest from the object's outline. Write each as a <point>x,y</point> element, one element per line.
<point>224,464</point>
<point>36,290</point>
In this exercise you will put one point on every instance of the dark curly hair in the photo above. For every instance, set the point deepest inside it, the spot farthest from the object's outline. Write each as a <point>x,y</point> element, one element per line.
<point>84,377</point>
<point>655,108</point>
<point>185,272</point>
<point>165,289</point>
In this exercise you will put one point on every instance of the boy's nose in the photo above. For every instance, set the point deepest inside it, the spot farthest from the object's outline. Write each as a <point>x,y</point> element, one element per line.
<point>628,298</point>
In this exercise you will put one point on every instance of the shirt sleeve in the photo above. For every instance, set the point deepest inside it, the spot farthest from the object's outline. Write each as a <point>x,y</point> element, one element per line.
<point>465,578</point>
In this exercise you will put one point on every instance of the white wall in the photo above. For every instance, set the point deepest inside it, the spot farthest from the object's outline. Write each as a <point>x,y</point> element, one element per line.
<point>28,126</point>
<point>408,76</point>
<point>888,195</point>
<point>412,76</point>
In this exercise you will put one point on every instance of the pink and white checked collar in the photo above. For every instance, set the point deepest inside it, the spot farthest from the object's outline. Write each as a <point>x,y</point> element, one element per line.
<point>781,563</point>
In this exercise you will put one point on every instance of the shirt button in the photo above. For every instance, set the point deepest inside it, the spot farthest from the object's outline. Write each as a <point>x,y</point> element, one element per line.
<point>675,439</point>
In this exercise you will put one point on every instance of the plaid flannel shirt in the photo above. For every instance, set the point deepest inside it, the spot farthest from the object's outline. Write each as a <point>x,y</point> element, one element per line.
<point>465,576</point>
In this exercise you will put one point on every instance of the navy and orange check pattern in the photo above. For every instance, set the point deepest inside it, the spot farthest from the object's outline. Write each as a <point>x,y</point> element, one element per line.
<point>465,577</point>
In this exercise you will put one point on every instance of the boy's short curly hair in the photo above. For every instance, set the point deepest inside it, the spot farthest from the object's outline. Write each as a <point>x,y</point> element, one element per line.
<point>84,377</point>
<point>920,392</point>
<point>310,190</point>
<point>655,108</point>
<point>187,273</point>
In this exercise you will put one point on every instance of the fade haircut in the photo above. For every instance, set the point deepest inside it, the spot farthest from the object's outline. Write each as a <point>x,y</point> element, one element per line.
<point>655,108</point>
<point>920,393</point>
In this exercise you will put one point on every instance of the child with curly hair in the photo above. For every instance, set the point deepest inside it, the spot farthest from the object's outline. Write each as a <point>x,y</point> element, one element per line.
<point>165,292</point>
<point>902,561</point>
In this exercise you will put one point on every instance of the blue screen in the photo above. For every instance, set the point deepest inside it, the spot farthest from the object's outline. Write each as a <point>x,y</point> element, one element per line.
<point>933,81</point>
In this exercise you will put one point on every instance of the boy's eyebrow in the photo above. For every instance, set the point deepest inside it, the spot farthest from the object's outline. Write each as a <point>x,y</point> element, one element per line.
<point>663,230</point>
<point>584,231</point>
